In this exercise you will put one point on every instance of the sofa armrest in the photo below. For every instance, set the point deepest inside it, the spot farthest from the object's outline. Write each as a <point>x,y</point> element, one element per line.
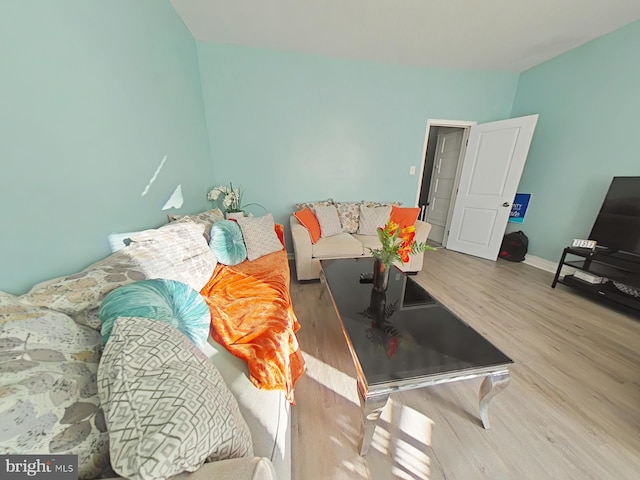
<point>256,468</point>
<point>302,249</point>
<point>415,261</point>
<point>247,468</point>
<point>422,231</point>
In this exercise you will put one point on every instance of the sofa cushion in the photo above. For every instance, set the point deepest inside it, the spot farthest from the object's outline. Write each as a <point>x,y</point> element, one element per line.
<point>161,300</point>
<point>267,412</point>
<point>367,242</point>
<point>85,290</point>
<point>349,214</point>
<point>177,251</point>
<point>166,406</point>
<point>404,216</point>
<point>372,218</point>
<point>259,236</point>
<point>227,243</point>
<point>49,399</point>
<point>343,245</point>
<point>328,220</point>
<point>307,218</point>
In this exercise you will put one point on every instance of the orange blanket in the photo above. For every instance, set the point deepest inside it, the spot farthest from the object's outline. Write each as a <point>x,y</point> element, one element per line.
<point>252,316</point>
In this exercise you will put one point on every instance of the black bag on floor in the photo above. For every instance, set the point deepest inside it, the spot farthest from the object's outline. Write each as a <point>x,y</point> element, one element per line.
<point>514,246</point>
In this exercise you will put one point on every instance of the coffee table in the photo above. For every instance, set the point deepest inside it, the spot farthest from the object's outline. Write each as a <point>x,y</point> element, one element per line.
<point>404,339</point>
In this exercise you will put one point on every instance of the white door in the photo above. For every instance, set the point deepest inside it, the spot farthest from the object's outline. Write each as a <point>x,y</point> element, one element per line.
<point>443,179</point>
<point>493,163</point>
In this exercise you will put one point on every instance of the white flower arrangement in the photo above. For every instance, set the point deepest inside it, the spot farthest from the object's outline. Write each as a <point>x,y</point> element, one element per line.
<point>231,200</point>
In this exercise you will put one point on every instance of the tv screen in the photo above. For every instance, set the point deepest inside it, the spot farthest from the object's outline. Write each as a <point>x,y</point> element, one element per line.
<point>617,226</point>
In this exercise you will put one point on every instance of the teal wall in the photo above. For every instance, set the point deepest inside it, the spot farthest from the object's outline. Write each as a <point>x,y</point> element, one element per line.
<point>292,127</point>
<point>589,104</point>
<point>93,95</point>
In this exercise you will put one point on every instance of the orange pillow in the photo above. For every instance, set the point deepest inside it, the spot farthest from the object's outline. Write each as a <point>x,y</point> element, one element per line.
<point>405,217</point>
<point>307,218</point>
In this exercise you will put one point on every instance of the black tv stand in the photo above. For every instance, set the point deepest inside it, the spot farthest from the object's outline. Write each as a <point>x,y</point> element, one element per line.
<point>622,274</point>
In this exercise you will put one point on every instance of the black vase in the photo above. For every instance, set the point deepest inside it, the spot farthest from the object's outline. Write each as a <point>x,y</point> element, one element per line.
<point>378,307</point>
<point>380,275</point>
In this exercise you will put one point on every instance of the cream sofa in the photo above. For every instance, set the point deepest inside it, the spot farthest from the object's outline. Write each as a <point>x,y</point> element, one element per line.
<point>50,349</point>
<point>345,245</point>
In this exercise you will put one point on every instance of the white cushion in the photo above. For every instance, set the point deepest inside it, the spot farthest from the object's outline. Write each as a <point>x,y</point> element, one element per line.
<point>267,412</point>
<point>259,236</point>
<point>343,245</point>
<point>370,241</point>
<point>328,220</point>
<point>372,218</point>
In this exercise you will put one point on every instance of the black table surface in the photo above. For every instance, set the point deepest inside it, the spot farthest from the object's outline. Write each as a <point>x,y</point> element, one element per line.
<point>404,333</point>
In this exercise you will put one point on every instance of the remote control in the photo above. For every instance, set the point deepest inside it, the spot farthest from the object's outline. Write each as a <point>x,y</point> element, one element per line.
<point>366,278</point>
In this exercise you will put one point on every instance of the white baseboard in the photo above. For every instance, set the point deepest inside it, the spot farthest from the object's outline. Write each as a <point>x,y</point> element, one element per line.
<point>541,263</point>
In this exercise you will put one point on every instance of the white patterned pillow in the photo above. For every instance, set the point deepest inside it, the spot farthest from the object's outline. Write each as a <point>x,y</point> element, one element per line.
<point>349,213</point>
<point>84,290</point>
<point>49,396</point>
<point>328,220</point>
<point>372,218</point>
<point>183,413</point>
<point>259,236</point>
<point>177,251</point>
<point>207,219</point>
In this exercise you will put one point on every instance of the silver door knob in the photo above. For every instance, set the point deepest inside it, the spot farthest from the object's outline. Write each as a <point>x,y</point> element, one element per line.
<point>506,204</point>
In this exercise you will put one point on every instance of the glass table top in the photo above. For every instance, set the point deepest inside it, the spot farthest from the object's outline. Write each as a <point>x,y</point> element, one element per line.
<point>404,333</point>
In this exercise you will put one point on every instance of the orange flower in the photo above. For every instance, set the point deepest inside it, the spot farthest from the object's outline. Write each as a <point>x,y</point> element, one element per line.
<point>397,244</point>
<point>404,251</point>
<point>391,228</point>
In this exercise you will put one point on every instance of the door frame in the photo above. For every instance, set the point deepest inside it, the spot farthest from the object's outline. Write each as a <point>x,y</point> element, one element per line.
<point>435,123</point>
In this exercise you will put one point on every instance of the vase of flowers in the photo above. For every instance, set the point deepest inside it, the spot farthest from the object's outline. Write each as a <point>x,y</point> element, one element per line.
<point>231,200</point>
<point>396,245</point>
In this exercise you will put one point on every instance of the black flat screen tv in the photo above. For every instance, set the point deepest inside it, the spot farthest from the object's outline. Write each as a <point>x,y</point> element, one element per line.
<point>617,227</point>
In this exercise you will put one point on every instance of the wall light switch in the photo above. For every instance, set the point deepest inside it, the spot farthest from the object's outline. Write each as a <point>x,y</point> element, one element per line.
<point>412,170</point>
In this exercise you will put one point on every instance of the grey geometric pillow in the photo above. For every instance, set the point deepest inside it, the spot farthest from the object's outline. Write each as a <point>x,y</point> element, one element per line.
<point>166,406</point>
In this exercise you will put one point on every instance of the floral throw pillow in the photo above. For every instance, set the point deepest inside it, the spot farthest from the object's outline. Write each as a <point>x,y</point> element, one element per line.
<point>349,214</point>
<point>313,205</point>
<point>49,398</point>
<point>82,291</point>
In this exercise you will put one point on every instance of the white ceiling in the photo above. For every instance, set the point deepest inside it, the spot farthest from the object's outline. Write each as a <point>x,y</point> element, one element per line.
<point>504,35</point>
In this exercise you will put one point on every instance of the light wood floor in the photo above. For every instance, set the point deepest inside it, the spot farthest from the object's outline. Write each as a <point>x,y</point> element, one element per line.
<point>571,411</point>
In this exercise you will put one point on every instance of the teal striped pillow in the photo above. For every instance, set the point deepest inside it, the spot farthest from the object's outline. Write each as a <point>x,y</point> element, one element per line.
<point>227,242</point>
<point>166,301</point>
